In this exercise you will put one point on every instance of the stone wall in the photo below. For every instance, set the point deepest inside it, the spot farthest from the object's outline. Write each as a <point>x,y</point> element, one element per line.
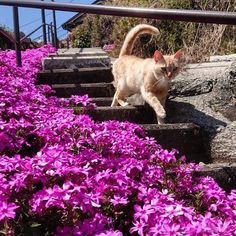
<point>206,95</point>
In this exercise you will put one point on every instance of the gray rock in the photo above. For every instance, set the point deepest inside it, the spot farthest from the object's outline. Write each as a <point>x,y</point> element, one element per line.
<point>224,100</point>
<point>208,100</point>
<point>231,57</point>
<point>196,79</point>
<point>190,87</point>
<point>223,146</point>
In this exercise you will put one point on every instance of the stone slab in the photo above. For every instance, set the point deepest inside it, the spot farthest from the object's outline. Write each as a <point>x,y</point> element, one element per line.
<point>185,137</point>
<point>78,52</point>
<point>135,114</point>
<point>216,58</point>
<point>103,101</point>
<point>74,62</point>
<point>81,75</point>
<point>93,89</point>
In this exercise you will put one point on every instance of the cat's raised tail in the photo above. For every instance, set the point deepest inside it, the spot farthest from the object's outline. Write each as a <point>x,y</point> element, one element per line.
<point>133,35</point>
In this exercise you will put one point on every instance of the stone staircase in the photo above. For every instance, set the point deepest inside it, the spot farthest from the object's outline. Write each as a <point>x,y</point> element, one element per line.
<point>80,71</point>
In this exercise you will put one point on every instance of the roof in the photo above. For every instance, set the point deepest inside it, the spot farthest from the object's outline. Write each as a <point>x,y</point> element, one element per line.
<point>77,19</point>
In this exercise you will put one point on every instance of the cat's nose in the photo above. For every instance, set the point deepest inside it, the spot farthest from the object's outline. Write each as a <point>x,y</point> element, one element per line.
<point>169,74</point>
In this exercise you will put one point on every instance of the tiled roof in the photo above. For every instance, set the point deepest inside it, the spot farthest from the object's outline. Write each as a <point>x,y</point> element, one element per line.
<point>77,19</point>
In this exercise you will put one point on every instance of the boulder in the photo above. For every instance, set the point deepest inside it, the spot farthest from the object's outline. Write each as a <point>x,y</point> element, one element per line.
<point>223,145</point>
<point>209,101</point>
<point>195,95</point>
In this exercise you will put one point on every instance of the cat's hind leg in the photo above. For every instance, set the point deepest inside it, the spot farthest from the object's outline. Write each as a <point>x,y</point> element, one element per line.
<point>114,101</point>
<point>119,98</point>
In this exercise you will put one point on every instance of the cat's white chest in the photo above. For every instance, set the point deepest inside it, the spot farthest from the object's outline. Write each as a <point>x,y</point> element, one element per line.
<point>160,80</point>
<point>163,82</point>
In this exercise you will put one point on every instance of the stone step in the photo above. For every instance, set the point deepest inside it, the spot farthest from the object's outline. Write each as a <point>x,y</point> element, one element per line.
<point>137,114</point>
<point>103,101</point>
<point>219,58</point>
<point>96,51</point>
<point>73,62</point>
<point>185,137</point>
<point>93,89</point>
<point>82,75</point>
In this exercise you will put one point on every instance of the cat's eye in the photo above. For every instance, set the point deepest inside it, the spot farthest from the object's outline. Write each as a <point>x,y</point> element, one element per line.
<point>175,68</point>
<point>163,69</point>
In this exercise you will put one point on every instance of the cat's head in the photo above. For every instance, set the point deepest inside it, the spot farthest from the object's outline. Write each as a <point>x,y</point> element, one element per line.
<point>167,66</point>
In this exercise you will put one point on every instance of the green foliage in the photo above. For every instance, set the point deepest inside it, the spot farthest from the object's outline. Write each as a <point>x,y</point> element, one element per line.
<point>177,4</point>
<point>82,38</point>
<point>200,40</point>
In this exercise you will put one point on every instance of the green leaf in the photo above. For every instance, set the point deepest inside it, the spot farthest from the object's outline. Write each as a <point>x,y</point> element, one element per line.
<point>35,224</point>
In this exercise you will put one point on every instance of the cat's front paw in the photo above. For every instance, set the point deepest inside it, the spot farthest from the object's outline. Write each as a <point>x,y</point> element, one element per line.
<point>160,121</point>
<point>124,104</point>
<point>161,113</point>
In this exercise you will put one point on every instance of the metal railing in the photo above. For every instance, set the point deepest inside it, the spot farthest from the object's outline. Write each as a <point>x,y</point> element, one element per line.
<point>51,30</point>
<point>216,17</point>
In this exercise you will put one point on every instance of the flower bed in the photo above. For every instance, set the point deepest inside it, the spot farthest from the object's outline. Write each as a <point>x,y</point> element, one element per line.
<point>64,174</point>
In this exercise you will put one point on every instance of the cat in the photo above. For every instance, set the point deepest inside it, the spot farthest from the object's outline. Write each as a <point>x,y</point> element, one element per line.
<point>150,77</point>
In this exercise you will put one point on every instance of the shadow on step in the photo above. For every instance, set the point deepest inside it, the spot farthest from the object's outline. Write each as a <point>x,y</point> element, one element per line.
<point>186,138</point>
<point>182,112</point>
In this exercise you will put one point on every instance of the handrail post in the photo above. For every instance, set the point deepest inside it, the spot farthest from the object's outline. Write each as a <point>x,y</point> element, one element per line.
<point>44,25</point>
<point>17,36</point>
<point>52,34</point>
<point>55,27</point>
<point>49,40</point>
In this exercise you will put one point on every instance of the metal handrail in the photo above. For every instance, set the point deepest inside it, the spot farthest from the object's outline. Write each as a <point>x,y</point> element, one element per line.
<point>35,30</point>
<point>216,17</point>
<point>153,13</point>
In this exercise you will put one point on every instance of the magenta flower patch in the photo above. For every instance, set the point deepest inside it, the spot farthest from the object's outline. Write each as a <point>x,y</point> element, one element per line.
<point>64,174</point>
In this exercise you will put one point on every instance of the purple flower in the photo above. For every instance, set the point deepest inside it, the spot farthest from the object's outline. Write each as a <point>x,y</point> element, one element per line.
<point>7,210</point>
<point>144,212</point>
<point>138,227</point>
<point>110,233</point>
<point>93,178</point>
<point>116,200</point>
<point>5,142</point>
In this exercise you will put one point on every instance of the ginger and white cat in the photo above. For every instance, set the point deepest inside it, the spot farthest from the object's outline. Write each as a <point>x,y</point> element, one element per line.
<point>150,77</point>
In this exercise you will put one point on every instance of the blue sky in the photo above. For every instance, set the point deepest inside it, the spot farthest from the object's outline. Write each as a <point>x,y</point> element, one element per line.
<point>31,18</point>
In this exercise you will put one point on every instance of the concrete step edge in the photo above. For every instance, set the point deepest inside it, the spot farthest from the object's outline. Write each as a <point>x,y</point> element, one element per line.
<point>74,57</point>
<point>223,173</point>
<point>83,85</point>
<point>75,70</point>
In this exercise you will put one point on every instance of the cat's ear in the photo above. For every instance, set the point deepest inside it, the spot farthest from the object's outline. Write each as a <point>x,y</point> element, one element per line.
<point>158,56</point>
<point>178,55</point>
